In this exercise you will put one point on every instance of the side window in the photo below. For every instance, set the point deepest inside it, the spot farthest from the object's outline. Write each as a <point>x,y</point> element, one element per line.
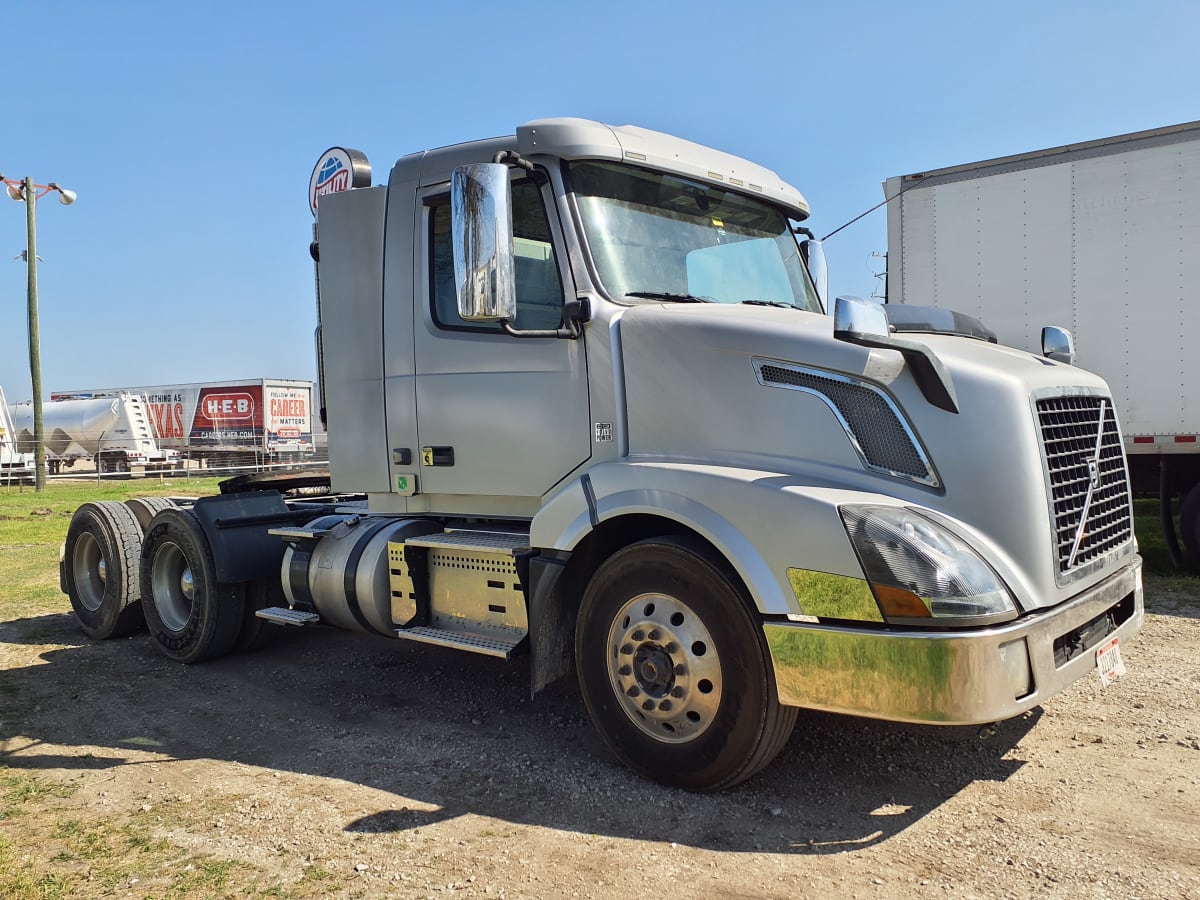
<point>539,290</point>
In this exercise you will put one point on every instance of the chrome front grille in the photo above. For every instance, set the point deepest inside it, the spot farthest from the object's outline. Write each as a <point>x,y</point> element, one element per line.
<point>1085,470</point>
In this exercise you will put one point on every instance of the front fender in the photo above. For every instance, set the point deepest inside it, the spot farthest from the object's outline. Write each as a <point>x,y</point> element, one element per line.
<point>763,523</point>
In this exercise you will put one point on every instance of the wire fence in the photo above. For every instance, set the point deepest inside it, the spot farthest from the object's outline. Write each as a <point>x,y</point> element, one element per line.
<point>120,458</point>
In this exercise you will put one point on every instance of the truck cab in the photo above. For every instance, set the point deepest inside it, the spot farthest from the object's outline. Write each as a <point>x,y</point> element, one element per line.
<point>598,411</point>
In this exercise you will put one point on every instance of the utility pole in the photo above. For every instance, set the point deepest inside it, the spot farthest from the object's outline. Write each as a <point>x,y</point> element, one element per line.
<point>28,191</point>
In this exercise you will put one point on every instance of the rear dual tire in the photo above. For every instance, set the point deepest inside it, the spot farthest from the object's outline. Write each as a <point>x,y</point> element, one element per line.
<point>101,571</point>
<point>190,614</point>
<point>144,509</point>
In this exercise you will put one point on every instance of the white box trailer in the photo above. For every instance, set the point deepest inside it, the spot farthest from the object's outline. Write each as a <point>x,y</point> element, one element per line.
<point>247,422</point>
<point>1101,237</point>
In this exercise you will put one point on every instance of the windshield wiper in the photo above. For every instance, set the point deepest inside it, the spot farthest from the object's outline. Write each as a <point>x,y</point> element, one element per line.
<point>770,303</point>
<point>666,295</point>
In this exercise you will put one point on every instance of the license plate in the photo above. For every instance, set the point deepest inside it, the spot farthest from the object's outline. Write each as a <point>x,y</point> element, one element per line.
<point>1109,665</point>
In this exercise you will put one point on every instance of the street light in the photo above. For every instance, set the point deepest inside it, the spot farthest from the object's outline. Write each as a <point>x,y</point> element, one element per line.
<point>27,191</point>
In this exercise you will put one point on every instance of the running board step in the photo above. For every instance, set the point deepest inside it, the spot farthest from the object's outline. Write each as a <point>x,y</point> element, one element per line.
<point>504,542</point>
<point>281,615</point>
<point>475,643</point>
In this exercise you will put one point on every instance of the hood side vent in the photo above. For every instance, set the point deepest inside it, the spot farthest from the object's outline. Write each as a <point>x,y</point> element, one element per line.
<point>882,437</point>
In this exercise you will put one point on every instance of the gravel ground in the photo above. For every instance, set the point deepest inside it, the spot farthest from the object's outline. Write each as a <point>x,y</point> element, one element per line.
<point>338,765</point>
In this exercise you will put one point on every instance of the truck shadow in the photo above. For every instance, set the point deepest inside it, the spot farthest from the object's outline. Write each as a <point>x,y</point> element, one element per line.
<point>1173,596</point>
<point>449,736</point>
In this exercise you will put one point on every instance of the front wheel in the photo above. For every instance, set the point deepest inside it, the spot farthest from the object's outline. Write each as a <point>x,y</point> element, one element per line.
<point>674,668</point>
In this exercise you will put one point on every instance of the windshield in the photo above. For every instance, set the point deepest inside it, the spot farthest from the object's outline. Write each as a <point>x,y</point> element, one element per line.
<point>660,236</point>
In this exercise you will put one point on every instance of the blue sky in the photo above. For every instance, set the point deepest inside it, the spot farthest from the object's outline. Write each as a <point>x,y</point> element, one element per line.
<point>190,130</point>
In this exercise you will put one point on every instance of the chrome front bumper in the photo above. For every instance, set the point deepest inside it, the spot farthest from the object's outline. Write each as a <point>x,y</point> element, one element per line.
<point>947,677</point>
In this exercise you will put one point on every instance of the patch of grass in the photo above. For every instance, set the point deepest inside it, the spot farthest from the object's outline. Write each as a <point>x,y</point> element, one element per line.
<point>203,875</point>
<point>68,828</point>
<point>84,858</point>
<point>17,789</point>
<point>141,841</point>
<point>315,874</point>
<point>18,881</point>
<point>1151,542</point>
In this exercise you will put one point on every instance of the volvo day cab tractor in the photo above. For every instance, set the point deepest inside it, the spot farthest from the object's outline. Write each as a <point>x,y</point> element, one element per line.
<point>586,403</point>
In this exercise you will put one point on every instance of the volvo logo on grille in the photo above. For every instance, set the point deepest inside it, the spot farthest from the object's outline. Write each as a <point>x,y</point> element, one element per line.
<point>1093,474</point>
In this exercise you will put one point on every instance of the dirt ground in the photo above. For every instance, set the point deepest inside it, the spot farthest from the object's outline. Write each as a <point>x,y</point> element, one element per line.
<point>338,765</point>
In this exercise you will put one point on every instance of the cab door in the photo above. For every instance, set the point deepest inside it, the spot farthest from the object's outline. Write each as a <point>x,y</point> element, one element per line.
<point>498,416</point>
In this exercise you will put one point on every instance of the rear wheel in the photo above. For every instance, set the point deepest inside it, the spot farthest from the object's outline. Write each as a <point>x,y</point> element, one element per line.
<point>101,569</point>
<point>1189,523</point>
<point>114,463</point>
<point>146,508</point>
<point>256,632</point>
<point>674,668</point>
<point>191,615</point>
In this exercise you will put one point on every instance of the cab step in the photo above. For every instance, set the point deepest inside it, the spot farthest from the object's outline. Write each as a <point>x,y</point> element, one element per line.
<point>503,543</point>
<point>281,615</point>
<point>489,645</point>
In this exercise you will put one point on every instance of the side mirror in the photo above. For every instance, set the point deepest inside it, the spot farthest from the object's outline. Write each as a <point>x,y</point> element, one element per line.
<point>1058,345</point>
<point>481,225</point>
<point>814,255</point>
<point>855,316</point>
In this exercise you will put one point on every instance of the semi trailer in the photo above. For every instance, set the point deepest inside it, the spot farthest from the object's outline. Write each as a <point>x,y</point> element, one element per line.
<point>114,432</point>
<point>14,465</point>
<point>244,423</point>
<point>587,404</point>
<point>1101,236</point>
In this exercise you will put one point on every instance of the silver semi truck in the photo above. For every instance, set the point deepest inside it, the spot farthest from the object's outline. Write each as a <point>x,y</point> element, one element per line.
<point>1100,236</point>
<point>585,402</point>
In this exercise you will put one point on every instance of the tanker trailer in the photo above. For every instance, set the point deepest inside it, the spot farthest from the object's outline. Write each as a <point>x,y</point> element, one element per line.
<point>114,431</point>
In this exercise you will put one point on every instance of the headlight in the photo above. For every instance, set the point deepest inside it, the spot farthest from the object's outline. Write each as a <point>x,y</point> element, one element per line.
<point>919,570</point>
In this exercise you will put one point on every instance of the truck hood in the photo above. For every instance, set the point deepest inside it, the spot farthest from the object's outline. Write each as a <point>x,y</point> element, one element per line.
<point>703,385</point>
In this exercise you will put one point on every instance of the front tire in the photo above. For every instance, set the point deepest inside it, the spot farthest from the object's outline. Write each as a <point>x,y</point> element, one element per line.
<point>101,569</point>
<point>191,616</point>
<point>674,668</point>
